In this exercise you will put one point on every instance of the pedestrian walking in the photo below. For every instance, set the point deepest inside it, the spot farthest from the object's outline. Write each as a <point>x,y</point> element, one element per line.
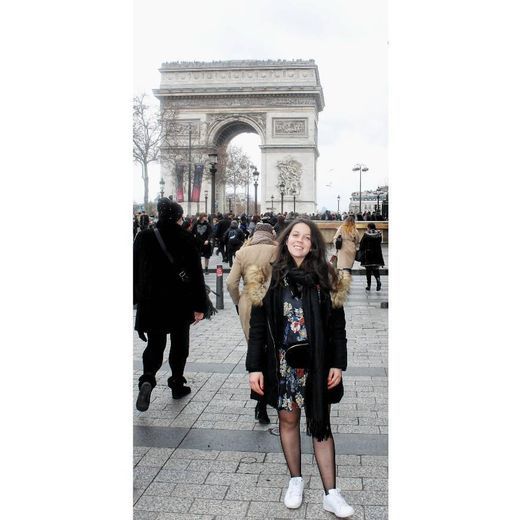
<point>252,224</point>
<point>244,226</point>
<point>202,231</point>
<point>371,254</point>
<point>135,225</point>
<point>144,221</point>
<point>170,294</point>
<point>348,243</point>
<point>233,239</point>
<point>280,225</point>
<point>260,250</point>
<point>223,225</point>
<point>297,351</point>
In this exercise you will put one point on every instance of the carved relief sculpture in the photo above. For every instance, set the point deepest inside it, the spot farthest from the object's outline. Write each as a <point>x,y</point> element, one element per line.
<point>290,173</point>
<point>290,127</point>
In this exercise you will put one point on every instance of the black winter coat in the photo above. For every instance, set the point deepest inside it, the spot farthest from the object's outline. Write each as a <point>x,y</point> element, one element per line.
<point>202,232</point>
<point>223,226</point>
<point>162,298</point>
<point>266,333</point>
<point>371,245</point>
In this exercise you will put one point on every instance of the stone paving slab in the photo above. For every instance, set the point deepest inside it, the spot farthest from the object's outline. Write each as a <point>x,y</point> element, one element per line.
<point>170,495</point>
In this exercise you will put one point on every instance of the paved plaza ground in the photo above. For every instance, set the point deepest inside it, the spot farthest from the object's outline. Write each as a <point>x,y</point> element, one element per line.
<point>205,457</point>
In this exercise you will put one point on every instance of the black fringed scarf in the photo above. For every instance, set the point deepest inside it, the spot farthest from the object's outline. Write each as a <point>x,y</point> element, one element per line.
<point>316,405</point>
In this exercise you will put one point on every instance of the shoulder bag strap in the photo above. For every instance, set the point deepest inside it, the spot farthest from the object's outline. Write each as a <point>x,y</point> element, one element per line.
<point>163,245</point>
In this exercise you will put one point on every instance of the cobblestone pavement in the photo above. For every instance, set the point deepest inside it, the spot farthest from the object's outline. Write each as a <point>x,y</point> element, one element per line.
<point>205,457</point>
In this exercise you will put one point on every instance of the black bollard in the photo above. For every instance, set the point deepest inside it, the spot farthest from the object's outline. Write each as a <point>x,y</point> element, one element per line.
<point>220,287</point>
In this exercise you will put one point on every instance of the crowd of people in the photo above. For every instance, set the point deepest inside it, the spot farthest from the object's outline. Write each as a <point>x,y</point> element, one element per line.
<point>142,220</point>
<point>291,309</point>
<point>336,215</point>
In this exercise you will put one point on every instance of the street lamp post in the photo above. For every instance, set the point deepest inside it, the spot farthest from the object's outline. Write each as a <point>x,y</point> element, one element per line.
<point>361,168</point>
<point>282,193</point>
<point>378,193</point>
<point>189,169</point>
<point>206,201</point>
<point>255,177</point>
<point>272,202</point>
<point>294,200</point>
<point>213,158</point>
<point>339,197</point>
<point>229,202</point>
<point>247,189</point>
<point>161,183</point>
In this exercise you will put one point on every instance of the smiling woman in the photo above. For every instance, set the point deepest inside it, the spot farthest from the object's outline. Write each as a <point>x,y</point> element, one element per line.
<point>297,351</point>
<point>299,242</point>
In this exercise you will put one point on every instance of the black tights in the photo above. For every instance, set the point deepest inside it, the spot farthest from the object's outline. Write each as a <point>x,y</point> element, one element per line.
<point>372,271</point>
<point>324,451</point>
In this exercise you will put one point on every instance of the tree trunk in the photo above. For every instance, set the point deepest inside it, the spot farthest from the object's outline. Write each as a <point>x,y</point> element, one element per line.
<point>145,180</point>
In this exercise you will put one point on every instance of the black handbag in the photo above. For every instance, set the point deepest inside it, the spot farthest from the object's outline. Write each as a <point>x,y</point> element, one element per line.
<point>339,242</point>
<point>298,355</point>
<point>360,255</point>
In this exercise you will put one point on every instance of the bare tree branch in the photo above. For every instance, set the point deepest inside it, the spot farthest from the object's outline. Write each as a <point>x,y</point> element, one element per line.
<point>150,129</point>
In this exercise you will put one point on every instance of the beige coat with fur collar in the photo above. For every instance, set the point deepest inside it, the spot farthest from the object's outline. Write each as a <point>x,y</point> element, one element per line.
<point>259,256</point>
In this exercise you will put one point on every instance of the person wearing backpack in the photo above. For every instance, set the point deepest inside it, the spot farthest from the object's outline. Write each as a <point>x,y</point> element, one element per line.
<point>234,238</point>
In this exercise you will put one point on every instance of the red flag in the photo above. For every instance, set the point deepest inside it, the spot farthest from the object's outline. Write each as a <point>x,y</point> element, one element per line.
<point>179,170</point>
<point>197,182</point>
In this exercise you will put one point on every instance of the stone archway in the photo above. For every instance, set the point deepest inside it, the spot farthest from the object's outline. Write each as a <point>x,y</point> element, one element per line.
<point>277,99</point>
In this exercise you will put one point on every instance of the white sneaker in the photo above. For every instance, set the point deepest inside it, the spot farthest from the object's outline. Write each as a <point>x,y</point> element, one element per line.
<point>335,503</point>
<point>294,495</point>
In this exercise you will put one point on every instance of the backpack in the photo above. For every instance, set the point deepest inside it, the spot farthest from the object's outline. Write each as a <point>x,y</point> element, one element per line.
<point>234,237</point>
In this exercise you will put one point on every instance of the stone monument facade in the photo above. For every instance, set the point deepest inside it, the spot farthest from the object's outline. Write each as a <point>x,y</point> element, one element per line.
<point>215,101</point>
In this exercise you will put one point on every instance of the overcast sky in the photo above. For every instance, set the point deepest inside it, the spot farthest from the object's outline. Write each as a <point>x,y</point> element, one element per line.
<point>348,39</point>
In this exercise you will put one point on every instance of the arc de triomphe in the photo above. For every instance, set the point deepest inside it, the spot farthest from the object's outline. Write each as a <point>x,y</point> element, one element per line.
<point>215,101</point>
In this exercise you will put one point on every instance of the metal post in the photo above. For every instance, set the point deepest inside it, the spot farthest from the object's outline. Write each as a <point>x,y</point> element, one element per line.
<point>256,202</point>
<point>213,171</point>
<point>360,190</point>
<point>294,203</point>
<point>338,202</point>
<point>220,287</point>
<point>189,169</point>
<point>362,168</point>
<point>206,201</point>
<point>247,193</point>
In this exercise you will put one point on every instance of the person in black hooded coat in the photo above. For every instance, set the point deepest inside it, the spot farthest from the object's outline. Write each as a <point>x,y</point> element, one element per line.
<point>372,254</point>
<point>169,298</point>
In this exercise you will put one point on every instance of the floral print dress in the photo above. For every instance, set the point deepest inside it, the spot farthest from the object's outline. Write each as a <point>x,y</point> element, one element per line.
<point>292,380</point>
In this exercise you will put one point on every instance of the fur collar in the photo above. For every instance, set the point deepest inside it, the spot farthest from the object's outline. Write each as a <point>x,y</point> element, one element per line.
<point>257,283</point>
